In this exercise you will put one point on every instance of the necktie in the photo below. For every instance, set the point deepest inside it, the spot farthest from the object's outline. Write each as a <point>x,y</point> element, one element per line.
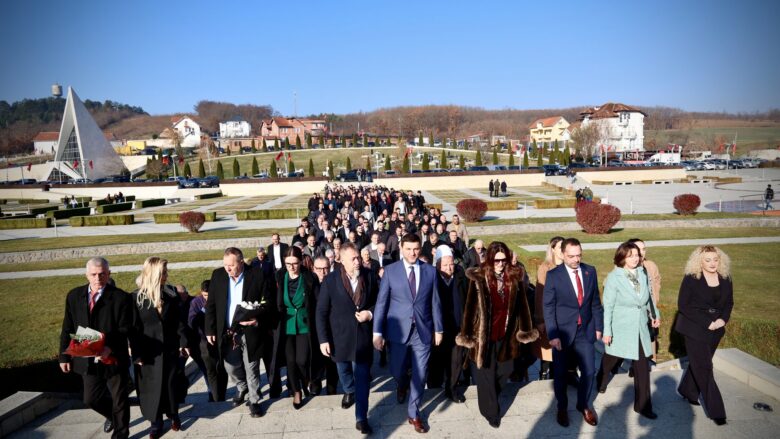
<point>580,294</point>
<point>92,300</point>
<point>412,282</point>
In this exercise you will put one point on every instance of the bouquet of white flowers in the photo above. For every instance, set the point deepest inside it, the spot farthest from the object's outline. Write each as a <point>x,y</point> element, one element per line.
<point>246,311</point>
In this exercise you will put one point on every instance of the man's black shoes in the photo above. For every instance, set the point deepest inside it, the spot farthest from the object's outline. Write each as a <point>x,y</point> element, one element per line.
<point>347,400</point>
<point>240,398</point>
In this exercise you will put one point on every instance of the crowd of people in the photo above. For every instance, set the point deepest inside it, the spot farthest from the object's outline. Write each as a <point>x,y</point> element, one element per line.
<point>373,269</point>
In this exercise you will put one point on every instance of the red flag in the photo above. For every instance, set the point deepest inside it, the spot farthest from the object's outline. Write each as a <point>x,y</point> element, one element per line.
<point>280,155</point>
<point>181,159</point>
<point>733,148</point>
<point>289,157</point>
<point>164,161</point>
<point>90,164</point>
<point>720,148</point>
<point>75,163</point>
<point>29,166</point>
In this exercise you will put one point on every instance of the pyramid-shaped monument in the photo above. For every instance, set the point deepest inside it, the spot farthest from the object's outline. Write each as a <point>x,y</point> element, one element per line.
<point>82,147</point>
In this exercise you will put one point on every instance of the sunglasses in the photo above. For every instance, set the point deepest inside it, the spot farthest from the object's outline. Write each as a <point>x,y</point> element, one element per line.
<point>502,261</point>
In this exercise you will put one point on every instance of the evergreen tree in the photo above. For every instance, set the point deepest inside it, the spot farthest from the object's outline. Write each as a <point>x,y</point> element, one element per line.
<point>297,141</point>
<point>443,160</point>
<point>387,163</point>
<point>349,164</point>
<point>478,160</point>
<point>426,162</point>
<point>525,161</point>
<point>539,159</point>
<point>511,159</point>
<point>311,168</point>
<point>187,172</point>
<point>254,149</point>
<point>201,169</point>
<point>308,141</point>
<point>276,144</point>
<point>319,141</point>
<point>430,140</point>
<point>255,167</point>
<point>462,162</point>
<point>227,150</point>
<point>566,156</point>
<point>368,162</point>
<point>406,164</point>
<point>331,172</point>
<point>495,156</point>
<point>220,171</point>
<point>272,172</point>
<point>354,140</point>
<point>264,146</point>
<point>332,142</point>
<point>534,148</point>
<point>420,139</point>
<point>286,145</point>
<point>236,168</point>
<point>290,166</point>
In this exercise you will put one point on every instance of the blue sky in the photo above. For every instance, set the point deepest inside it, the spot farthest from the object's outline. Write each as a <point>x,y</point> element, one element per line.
<point>359,56</point>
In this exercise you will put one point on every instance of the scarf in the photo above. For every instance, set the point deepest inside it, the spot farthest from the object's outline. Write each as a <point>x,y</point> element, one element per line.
<point>357,295</point>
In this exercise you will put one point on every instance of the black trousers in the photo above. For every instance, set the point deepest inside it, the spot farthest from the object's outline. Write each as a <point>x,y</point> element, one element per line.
<point>642,403</point>
<point>215,375</point>
<point>298,356</point>
<point>699,378</point>
<point>490,380</point>
<point>108,396</point>
<point>446,365</point>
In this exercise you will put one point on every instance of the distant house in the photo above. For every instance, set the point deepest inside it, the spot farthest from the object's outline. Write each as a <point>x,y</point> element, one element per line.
<point>546,131</point>
<point>482,139</point>
<point>621,126</point>
<point>290,128</point>
<point>187,129</point>
<point>46,141</point>
<point>235,127</point>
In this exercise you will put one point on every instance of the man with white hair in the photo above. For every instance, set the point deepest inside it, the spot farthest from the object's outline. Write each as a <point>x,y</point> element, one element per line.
<point>475,255</point>
<point>101,306</point>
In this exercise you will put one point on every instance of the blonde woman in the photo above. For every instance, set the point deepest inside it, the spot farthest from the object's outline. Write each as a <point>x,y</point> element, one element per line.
<point>157,340</point>
<point>705,302</point>
<point>541,347</point>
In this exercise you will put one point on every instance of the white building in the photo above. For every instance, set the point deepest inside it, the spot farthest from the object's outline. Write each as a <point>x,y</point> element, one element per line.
<point>46,141</point>
<point>189,131</point>
<point>235,127</point>
<point>622,126</point>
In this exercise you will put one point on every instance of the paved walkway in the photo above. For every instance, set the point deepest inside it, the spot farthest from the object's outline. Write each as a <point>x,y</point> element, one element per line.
<point>668,243</point>
<point>114,269</point>
<point>528,411</point>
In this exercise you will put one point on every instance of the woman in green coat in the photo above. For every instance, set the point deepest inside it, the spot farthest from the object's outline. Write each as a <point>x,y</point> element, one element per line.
<point>628,308</point>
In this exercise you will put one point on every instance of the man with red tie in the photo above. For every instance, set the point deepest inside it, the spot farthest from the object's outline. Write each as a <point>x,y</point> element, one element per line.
<point>574,319</point>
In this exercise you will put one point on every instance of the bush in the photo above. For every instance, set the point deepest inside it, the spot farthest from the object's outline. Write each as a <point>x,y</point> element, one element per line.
<point>103,220</point>
<point>44,209</point>
<point>596,218</point>
<point>686,204</point>
<point>25,223</point>
<point>149,203</point>
<point>67,213</point>
<point>170,218</point>
<point>192,221</point>
<point>471,209</point>
<point>116,207</point>
<point>244,215</point>
<point>501,205</point>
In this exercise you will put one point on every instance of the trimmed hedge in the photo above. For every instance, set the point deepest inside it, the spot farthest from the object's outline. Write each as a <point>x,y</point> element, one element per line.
<point>559,203</point>
<point>104,220</point>
<point>211,195</point>
<point>434,206</point>
<point>29,200</point>
<point>44,209</point>
<point>501,205</point>
<point>117,207</point>
<point>149,203</point>
<point>67,213</point>
<point>25,223</point>
<point>245,215</point>
<point>9,216</point>
<point>170,218</point>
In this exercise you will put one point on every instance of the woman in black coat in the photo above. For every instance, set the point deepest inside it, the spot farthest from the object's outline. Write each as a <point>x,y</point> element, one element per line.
<point>157,339</point>
<point>705,302</point>
<point>296,300</point>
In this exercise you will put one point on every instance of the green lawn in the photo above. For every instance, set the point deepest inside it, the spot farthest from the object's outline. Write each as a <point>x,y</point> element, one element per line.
<point>635,217</point>
<point>748,138</point>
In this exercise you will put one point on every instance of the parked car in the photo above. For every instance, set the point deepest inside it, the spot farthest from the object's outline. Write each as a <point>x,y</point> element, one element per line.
<point>478,168</point>
<point>513,168</point>
<point>578,165</point>
<point>261,175</point>
<point>554,170</point>
<point>190,183</point>
<point>456,170</point>
<point>208,181</point>
<point>293,174</point>
<point>351,175</point>
<point>391,172</point>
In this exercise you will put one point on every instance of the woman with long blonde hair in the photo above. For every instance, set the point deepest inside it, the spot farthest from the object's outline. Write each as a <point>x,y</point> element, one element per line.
<point>158,338</point>
<point>704,304</point>
<point>541,347</point>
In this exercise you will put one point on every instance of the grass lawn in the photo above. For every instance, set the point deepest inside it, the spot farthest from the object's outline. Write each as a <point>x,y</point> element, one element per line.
<point>634,217</point>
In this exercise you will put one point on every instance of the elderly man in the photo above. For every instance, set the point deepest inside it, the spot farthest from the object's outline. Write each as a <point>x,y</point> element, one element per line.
<point>460,228</point>
<point>322,267</point>
<point>475,255</point>
<point>103,307</point>
<point>241,350</point>
<point>262,261</point>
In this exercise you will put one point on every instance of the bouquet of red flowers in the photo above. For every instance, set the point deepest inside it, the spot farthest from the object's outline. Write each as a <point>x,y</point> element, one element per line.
<point>87,342</point>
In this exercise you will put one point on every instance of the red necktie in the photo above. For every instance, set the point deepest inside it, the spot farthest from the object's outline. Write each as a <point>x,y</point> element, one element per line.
<point>580,294</point>
<point>92,300</point>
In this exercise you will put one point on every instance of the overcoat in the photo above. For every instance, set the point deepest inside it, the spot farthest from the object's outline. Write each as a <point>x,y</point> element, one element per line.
<point>626,314</point>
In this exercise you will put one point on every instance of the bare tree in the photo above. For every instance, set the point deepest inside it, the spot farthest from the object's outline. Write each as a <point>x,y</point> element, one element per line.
<point>587,138</point>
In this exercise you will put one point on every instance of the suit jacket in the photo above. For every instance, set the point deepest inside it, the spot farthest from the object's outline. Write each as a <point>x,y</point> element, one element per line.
<point>471,258</point>
<point>626,314</point>
<point>386,260</point>
<point>350,340</point>
<point>112,315</point>
<point>453,301</point>
<point>561,308</point>
<point>282,249</point>
<point>257,287</point>
<point>396,310</point>
<point>311,288</point>
<point>698,307</point>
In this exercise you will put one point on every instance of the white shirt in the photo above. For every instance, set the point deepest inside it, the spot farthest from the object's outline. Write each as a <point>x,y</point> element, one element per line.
<point>97,295</point>
<point>573,279</point>
<point>278,257</point>
<point>235,294</point>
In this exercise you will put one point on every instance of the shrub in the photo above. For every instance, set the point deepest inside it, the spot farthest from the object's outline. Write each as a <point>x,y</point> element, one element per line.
<point>686,204</point>
<point>149,203</point>
<point>44,209</point>
<point>596,218</point>
<point>25,223</point>
<point>192,221</point>
<point>102,220</point>
<point>169,218</point>
<point>244,215</point>
<point>471,209</point>
<point>116,207</point>
<point>67,213</point>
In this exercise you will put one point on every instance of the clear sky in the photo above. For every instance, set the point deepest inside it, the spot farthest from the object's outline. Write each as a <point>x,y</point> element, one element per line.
<point>349,56</point>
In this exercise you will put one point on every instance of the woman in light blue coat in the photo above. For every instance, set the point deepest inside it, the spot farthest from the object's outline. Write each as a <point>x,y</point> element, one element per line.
<point>628,308</point>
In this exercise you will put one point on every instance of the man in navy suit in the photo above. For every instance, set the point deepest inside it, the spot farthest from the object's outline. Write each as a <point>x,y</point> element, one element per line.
<point>575,320</point>
<point>408,314</point>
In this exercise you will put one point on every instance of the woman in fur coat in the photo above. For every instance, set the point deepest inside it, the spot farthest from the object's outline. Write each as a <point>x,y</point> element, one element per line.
<point>496,321</point>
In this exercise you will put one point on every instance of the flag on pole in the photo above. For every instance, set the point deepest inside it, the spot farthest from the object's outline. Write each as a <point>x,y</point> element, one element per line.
<point>734,148</point>
<point>280,155</point>
<point>75,163</point>
<point>164,161</point>
<point>181,159</point>
<point>289,156</point>
<point>90,164</point>
<point>29,166</point>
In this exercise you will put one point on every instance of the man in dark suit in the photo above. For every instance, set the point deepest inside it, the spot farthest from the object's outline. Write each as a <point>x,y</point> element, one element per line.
<point>276,252</point>
<point>241,351</point>
<point>105,308</point>
<point>574,319</point>
<point>394,242</point>
<point>408,313</point>
<point>474,255</point>
<point>344,313</point>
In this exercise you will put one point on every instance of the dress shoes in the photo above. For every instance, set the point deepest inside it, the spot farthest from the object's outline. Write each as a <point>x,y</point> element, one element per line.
<point>401,395</point>
<point>649,414</point>
<point>330,390</point>
<point>363,427</point>
<point>419,427</point>
<point>495,423</point>
<point>690,401</point>
<point>108,426</point>
<point>240,398</point>
<point>720,421</point>
<point>590,416</point>
<point>175,424</point>
<point>256,410</point>
<point>563,418</point>
<point>347,400</point>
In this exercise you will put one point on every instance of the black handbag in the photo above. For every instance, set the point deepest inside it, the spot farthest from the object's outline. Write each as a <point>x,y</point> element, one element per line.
<point>653,331</point>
